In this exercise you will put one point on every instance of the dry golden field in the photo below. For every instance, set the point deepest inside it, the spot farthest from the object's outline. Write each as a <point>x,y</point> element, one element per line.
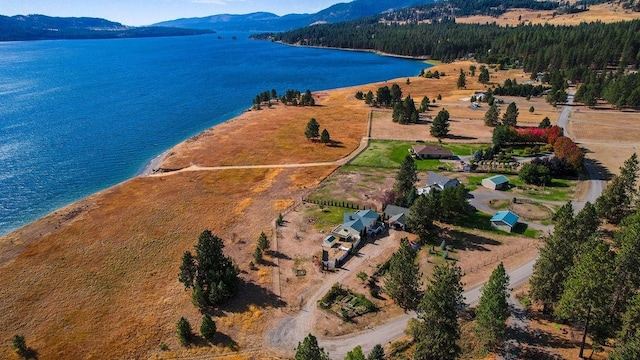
<point>606,13</point>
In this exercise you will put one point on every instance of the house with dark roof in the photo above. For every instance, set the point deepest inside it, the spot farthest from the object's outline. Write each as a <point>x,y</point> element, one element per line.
<point>431,152</point>
<point>504,220</point>
<point>438,182</point>
<point>397,216</point>
<point>497,182</point>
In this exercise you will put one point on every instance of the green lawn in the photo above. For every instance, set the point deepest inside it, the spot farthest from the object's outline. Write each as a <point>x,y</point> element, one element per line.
<point>328,217</point>
<point>479,220</point>
<point>558,190</point>
<point>390,154</point>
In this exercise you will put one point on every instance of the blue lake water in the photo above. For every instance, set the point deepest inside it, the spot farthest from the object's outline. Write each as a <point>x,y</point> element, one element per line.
<point>79,116</point>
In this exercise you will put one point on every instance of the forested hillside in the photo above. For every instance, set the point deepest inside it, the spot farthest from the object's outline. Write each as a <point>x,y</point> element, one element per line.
<point>534,47</point>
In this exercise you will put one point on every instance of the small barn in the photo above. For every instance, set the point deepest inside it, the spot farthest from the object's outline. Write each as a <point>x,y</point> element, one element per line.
<point>504,220</point>
<point>497,182</point>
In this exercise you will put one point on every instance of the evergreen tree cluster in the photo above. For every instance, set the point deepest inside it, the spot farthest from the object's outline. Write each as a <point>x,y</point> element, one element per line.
<point>512,88</point>
<point>212,275</point>
<point>296,98</point>
<point>447,205</point>
<point>622,90</point>
<point>582,278</point>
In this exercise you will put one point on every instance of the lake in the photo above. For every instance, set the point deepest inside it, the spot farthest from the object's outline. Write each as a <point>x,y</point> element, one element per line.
<point>79,116</point>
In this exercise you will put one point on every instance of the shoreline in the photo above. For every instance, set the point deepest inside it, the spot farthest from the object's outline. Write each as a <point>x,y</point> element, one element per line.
<point>152,166</point>
<point>426,59</point>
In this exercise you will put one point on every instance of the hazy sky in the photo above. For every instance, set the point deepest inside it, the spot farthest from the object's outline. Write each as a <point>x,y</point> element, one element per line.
<point>145,12</point>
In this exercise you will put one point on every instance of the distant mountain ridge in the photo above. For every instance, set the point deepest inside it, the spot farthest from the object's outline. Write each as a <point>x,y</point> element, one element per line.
<point>41,27</point>
<point>264,21</point>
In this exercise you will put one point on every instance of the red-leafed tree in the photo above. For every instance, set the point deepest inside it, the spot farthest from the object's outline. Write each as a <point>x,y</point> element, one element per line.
<point>565,148</point>
<point>553,133</point>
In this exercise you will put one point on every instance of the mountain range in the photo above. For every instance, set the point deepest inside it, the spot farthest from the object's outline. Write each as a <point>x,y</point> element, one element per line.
<point>40,27</point>
<point>264,21</point>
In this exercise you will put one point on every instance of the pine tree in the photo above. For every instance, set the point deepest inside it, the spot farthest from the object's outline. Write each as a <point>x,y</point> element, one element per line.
<point>491,117</point>
<point>510,116</point>
<point>402,280</point>
<point>263,242</point>
<point>423,213</point>
<point>484,75</point>
<point>438,330</point>
<point>208,328</point>
<point>19,345</point>
<point>627,344</point>
<point>406,176</point>
<point>377,353</point>
<point>587,291</point>
<point>554,261</point>
<point>493,310</point>
<point>325,138</point>
<point>257,255</point>
<point>618,199</point>
<point>309,349</point>
<point>368,98</point>
<point>545,123</point>
<point>184,331</point>
<point>440,125</point>
<point>313,129</point>
<point>424,105</point>
<point>462,80</point>
<point>355,354</point>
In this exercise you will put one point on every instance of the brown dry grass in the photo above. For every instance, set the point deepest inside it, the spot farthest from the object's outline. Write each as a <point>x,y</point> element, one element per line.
<point>606,13</point>
<point>276,135</point>
<point>103,284</point>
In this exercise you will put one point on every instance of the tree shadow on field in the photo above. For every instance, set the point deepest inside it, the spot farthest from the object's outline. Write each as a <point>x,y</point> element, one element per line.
<point>461,137</point>
<point>278,254</point>
<point>464,241</point>
<point>219,339</point>
<point>252,294</point>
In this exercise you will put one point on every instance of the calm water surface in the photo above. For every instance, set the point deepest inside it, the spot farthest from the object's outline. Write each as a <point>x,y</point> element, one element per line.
<point>79,116</point>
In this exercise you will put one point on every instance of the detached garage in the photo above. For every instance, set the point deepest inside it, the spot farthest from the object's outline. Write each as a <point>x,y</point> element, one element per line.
<point>504,220</point>
<point>498,182</point>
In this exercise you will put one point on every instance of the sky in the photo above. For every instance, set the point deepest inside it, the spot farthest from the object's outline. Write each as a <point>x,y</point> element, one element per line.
<point>146,12</point>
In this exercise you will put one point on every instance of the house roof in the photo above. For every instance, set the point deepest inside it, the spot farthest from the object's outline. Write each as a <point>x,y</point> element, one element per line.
<point>398,219</point>
<point>498,179</point>
<point>436,179</point>
<point>393,210</point>
<point>506,217</point>
<point>431,150</point>
<point>367,217</point>
<point>368,214</point>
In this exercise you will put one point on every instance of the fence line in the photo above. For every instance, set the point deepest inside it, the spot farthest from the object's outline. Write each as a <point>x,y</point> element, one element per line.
<point>495,258</point>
